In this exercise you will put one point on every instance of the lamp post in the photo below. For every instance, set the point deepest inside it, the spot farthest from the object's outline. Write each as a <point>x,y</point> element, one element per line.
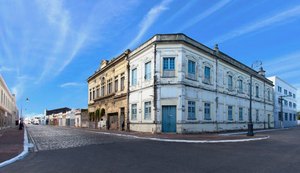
<point>281,109</point>
<point>250,123</point>
<point>27,100</point>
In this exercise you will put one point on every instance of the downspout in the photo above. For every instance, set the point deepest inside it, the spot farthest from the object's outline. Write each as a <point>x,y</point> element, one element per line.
<point>216,49</point>
<point>128,91</point>
<point>155,90</point>
<point>264,105</point>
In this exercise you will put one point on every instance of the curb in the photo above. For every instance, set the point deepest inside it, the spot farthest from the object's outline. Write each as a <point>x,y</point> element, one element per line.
<point>21,155</point>
<point>182,140</point>
<point>257,131</point>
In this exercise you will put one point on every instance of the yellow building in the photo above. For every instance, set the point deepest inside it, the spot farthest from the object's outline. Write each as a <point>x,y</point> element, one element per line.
<point>108,94</point>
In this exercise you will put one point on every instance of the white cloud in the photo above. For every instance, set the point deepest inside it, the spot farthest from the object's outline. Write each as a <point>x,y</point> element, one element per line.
<point>71,84</point>
<point>6,69</point>
<point>205,14</point>
<point>281,17</point>
<point>281,65</point>
<point>182,10</point>
<point>148,21</point>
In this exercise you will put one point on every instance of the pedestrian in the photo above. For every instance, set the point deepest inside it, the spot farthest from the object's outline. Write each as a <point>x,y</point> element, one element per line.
<point>21,125</point>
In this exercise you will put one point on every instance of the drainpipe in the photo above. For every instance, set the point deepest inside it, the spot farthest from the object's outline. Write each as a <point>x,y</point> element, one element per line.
<point>155,90</point>
<point>216,49</point>
<point>128,91</point>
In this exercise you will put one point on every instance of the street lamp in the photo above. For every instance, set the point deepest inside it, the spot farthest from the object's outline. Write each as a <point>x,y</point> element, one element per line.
<point>250,123</point>
<point>281,109</point>
<point>27,100</point>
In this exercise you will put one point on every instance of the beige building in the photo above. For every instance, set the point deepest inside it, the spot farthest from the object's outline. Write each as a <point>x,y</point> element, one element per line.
<point>108,99</point>
<point>8,108</point>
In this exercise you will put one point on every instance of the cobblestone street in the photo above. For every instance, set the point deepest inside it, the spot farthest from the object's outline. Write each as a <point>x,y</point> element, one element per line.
<point>52,138</point>
<point>72,150</point>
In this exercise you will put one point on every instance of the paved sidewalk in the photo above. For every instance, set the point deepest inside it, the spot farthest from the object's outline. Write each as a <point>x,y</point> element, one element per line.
<point>190,137</point>
<point>11,143</point>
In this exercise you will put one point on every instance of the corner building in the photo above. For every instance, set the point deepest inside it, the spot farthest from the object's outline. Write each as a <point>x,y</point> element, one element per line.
<point>179,85</point>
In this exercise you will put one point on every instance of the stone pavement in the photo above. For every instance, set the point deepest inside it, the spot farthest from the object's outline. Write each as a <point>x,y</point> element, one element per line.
<point>11,143</point>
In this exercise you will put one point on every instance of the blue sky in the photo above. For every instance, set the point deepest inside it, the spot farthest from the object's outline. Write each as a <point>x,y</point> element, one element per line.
<point>49,48</point>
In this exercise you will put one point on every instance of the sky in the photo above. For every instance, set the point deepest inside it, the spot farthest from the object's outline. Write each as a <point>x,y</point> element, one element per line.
<point>48,49</point>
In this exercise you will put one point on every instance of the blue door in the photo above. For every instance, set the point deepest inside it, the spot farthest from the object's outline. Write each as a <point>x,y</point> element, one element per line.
<point>169,119</point>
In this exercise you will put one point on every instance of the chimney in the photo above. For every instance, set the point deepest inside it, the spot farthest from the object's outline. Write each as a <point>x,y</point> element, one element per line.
<point>216,49</point>
<point>262,71</point>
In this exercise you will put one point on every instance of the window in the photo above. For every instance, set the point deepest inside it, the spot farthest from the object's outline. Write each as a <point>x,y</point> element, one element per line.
<point>207,74</point>
<point>191,67</point>
<point>207,111</point>
<point>285,102</point>
<point>133,111</point>
<point>294,96</point>
<point>109,86</point>
<point>240,86</point>
<point>291,117</point>
<point>230,87</point>
<point>93,94</point>
<point>241,114</point>
<point>122,82</point>
<point>269,95</point>
<point>285,92</point>
<point>169,66</point>
<point>286,116</point>
<point>133,77</point>
<point>116,84</point>
<point>230,113</point>
<point>290,104</point>
<point>148,70</point>
<point>102,90</point>
<point>257,115</point>
<point>147,112</point>
<point>294,117</point>
<point>290,94</point>
<point>191,110</point>
<point>279,89</point>
<point>102,87</point>
<point>294,105</point>
<point>90,96</point>
<point>97,92</point>
<point>257,91</point>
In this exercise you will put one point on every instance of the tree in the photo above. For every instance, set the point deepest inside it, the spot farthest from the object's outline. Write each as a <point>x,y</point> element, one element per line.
<point>97,117</point>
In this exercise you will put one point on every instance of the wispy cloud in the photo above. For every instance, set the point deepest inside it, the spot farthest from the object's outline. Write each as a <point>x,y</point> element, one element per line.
<point>148,21</point>
<point>182,10</point>
<point>71,84</point>
<point>279,18</point>
<point>205,14</point>
<point>6,69</point>
<point>283,66</point>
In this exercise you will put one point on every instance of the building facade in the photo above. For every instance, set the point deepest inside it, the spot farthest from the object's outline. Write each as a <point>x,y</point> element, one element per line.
<point>8,108</point>
<point>285,99</point>
<point>179,85</point>
<point>107,92</point>
<point>81,118</point>
<point>57,117</point>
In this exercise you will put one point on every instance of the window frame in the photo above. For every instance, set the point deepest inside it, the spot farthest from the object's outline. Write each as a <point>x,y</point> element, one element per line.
<point>147,110</point>
<point>191,110</point>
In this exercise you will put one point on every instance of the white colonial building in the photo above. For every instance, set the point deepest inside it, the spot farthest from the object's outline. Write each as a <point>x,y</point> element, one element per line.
<point>179,85</point>
<point>287,93</point>
<point>8,108</point>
